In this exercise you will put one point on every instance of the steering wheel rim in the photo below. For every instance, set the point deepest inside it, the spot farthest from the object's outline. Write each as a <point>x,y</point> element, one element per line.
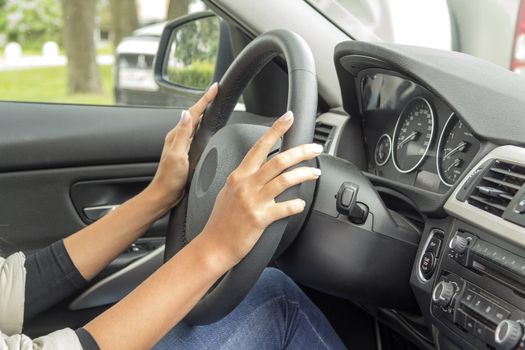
<point>302,100</point>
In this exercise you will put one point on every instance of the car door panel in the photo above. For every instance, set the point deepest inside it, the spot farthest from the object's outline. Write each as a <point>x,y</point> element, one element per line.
<point>56,161</point>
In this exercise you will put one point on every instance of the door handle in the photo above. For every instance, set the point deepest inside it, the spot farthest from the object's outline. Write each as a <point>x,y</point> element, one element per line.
<point>96,213</point>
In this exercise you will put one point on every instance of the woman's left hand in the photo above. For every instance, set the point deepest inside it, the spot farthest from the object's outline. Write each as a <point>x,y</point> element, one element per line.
<point>172,173</point>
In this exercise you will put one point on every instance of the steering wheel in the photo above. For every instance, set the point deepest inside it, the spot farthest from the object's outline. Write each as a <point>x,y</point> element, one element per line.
<point>217,149</point>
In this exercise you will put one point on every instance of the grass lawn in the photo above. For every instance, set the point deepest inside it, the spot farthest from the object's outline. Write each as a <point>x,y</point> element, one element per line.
<point>50,85</point>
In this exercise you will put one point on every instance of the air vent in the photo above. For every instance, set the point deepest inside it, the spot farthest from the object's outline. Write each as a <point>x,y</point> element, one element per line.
<point>498,186</point>
<point>323,135</point>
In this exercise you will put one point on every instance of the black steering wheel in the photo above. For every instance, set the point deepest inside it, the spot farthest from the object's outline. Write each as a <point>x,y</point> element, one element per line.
<point>218,149</point>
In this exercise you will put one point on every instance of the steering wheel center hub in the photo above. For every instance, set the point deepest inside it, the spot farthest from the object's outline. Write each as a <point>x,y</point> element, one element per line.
<point>224,152</point>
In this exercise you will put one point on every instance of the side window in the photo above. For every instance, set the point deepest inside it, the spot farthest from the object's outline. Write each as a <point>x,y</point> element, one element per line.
<point>93,51</point>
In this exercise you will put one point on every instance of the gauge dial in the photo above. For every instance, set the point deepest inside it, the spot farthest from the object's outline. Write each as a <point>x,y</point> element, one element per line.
<point>456,149</point>
<point>383,150</point>
<point>413,135</point>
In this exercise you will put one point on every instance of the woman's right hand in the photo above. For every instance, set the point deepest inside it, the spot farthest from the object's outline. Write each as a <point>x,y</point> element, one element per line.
<point>246,204</point>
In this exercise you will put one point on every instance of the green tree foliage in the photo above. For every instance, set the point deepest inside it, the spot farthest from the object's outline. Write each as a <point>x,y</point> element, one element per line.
<point>31,22</point>
<point>197,41</point>
<point>198,75</point>
<point>193,53</point>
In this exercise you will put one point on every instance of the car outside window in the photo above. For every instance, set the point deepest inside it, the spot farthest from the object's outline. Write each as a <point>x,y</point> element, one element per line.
<point>493,30</point>
<point>84,51</point>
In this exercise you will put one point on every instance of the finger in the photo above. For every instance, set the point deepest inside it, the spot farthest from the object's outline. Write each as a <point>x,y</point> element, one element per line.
<point>257,155</point>
<point>170,136</point>
<point>184,130</point>
<point>285,209</point>
<point>289,179</point>
<point>284,160</point>
<point>200,106</point>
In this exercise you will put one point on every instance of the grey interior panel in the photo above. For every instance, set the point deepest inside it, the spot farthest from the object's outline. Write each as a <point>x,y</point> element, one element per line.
<point>116,286</point>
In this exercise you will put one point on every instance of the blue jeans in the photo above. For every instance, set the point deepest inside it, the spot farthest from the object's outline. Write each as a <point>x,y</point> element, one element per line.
<point>276,314</point>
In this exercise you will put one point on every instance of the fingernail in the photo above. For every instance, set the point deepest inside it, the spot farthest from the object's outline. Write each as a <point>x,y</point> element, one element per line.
<point>287,117</point>
<point>185,117</point>
<point>316,148</point>
<point>213,86</point>
<point>303,203</point>
<point>316,171</point>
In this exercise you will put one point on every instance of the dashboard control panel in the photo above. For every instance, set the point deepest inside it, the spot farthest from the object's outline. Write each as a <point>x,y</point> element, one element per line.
<point>483,319</point>
<point>479,291</point>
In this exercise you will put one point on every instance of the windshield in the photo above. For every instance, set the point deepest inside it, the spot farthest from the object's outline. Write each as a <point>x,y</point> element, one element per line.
<point>489,29</point>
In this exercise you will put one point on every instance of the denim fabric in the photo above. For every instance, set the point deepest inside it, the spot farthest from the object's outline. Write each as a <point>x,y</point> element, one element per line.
<point>276,314</point>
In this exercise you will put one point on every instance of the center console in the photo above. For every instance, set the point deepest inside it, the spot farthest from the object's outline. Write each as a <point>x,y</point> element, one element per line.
<point>469,276</point>
<point>487,319</point>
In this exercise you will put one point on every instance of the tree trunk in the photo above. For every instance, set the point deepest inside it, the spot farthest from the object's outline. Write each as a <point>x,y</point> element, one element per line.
<point>178,8</point>
<point>79,42</point>
<point>124,19</point>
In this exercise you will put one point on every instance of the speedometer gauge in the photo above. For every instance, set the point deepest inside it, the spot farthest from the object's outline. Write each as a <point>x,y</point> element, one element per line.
<point>456,149</point>
<point>413,135</point>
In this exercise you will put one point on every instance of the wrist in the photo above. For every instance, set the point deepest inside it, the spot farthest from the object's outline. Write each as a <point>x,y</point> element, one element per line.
<point>213,254</point>
<point>158,199</point>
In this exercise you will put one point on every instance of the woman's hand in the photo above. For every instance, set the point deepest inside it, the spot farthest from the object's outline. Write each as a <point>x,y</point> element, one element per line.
<point>246,205</point>
<point>172,173</point>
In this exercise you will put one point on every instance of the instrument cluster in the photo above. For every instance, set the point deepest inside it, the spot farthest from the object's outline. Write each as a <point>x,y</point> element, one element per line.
<point>412,137</point>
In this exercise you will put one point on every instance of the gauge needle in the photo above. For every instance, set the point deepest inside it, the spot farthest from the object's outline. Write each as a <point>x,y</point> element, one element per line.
<point>407,139</point>
<point>459,148</point>
<point>454,164</point>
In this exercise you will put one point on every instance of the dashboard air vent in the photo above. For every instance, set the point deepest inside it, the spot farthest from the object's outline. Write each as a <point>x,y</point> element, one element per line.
<point>498,186</point>
<point>323,134</point>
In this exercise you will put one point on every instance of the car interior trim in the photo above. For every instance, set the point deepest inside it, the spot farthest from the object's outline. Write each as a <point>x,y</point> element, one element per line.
<point>116,286</point>
<point>337,121</point>
<point>469,213</point>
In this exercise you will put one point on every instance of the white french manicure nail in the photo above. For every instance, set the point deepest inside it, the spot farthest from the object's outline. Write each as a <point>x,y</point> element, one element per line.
<point>316,171</point>
<point>316,148</point>
<point>185,117</point>
<point>287,116</point>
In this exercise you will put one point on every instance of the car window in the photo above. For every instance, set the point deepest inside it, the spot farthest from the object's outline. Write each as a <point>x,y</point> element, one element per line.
<point>86,51</point>
<point>493,30</point>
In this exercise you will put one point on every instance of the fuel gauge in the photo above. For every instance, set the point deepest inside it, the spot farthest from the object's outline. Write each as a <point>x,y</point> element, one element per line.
<point>383,150</point>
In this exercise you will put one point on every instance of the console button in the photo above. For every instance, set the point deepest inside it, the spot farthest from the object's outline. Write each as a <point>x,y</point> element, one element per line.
<point>470,323</point>
<point>468,296</point>
<point>479,330</point>
<point>434,246</point>
<point>479,304</point>
<point>500,315</point>
<point>489,311</point>
<point>427,264</point>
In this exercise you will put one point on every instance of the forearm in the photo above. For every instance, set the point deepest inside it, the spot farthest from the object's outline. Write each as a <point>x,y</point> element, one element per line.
<point>94,247</point>
<point>143,317</point>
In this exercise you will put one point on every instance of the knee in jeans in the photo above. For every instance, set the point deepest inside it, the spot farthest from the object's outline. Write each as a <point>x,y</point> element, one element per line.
<point>279,284</point>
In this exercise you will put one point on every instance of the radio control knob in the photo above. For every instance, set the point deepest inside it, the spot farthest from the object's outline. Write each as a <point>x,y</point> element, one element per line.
<point>508,335</point>
<point>443,293</point>
<point>459,244</point>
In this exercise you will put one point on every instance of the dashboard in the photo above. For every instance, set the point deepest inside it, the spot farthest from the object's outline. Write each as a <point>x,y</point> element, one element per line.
<point>439,135</point>
<point>411,136</point>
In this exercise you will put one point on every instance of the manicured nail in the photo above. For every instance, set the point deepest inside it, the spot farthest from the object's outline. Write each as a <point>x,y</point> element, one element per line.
<point>213,86</point>
<point>316,148</point>
<point>316,171</point>
<point>303,203</point>
<point>185,117</point>
<point>287,117</point>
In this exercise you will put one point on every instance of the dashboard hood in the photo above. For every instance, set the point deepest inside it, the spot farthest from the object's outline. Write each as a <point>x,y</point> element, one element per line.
<point>490,99</point>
